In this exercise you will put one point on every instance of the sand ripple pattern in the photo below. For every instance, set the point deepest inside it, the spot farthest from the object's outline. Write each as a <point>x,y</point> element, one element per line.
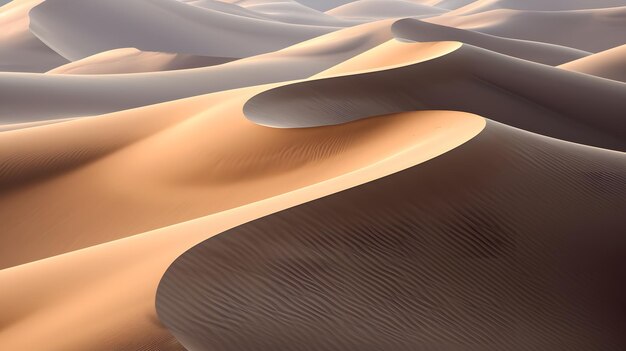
<point>491,246</point>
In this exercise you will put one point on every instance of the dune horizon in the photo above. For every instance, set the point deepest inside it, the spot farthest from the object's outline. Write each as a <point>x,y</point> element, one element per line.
<point>312,175</point>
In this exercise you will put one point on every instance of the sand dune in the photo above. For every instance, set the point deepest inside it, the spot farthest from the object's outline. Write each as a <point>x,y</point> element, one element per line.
<point>131,60</point>
<point>610,64</point>
<point>158,25</point>
<point>535,5</point>
<point>382,146</point>
<point>588,30</point>
<point>57,96</point>
<point>384,9</point>
<point>531,96</point>
<point>312,175</point>
<point>20,50</point>
<point>550,54</point>
<point>466,249</point>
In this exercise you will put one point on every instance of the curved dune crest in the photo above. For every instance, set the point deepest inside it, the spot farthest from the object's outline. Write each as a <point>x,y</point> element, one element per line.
<point>312,175</point>
<point>535,5</point>
<point>610,64</point>
<point>131,60</point>
<point>531,96</point>
<point>384,9</point>
<point>475,247</point>
<point>362,152</point>
<point>60,96</point>
<point>413,29</point>
<point>591,30</point>
<point>20,50</point>
<point>158,25</point>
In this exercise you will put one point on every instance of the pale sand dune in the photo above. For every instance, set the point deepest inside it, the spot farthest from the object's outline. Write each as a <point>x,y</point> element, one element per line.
<point>122,275</point>
<point>158,25</point>
<point>283,11</point>
<point>589,30</point>
<point>131,60</point>
<point>535,5</point>
<point>384,9</point>
<point>610,64</point>
<point>60,96</point>
<point>20,51</point>
<point>72,158</point>
<point>417,30</point>
<point>294,12</point>
<point>449,4</point>
<point>491,246</point>
<point>531,96</point>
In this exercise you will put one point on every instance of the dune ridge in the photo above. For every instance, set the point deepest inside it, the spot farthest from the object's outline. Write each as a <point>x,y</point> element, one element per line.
<point>456,251</point>
<point>565,105</point>
<point>610,64</point>
<point>312,175</point>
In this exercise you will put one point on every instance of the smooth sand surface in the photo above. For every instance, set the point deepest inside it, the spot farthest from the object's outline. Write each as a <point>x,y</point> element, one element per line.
<point>550,54</point>
<point>158,25</point>
<point>535,5</point>
<point>20,50</point>
<point>531,96</point>
<point>128,284</point>
<point>351,179</point>
<point>384,9</point>
<point>465,249</point>
<point>131,60</point>
<point>28,97</point>
<point>589,30</point>
<point>610,64</point>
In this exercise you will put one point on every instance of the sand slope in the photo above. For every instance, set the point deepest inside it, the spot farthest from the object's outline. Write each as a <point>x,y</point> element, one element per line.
<point>57,96</point>
<point>131,60</point>
<point>535,5</point>
<point>382,146</point>
<point>20,50</point>
<point>610,64</point>
<point>589,30</point>
<point>491,244</point>
<point>413,29</point>
<point>520,93</point>
<point>312,175</point>
<point>384,9</point>
<point>158,25</point>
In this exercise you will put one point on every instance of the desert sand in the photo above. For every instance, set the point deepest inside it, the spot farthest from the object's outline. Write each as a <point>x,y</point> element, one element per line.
<point>312,175</point>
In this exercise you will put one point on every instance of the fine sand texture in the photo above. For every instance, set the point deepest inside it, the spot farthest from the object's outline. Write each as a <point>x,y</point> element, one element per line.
<point>284,175</point>
<point>466,249</point>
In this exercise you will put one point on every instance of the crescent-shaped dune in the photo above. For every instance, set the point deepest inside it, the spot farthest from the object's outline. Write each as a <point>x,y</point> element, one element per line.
<point>610,64</point>
<point>59,96</point>
<point>158,25</point>
<point>550,54</point>
<point>289,175</point>
<point>131,60</point>
<point>130,282</point>
<point>589,30</point>
<point>462,250</point>
<point>527,95</point>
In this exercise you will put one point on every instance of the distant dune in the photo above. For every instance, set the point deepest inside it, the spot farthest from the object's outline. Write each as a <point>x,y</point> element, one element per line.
<point>589,30</point>
<point>131,60</point>
<point>158,25</point>
<point>610,64</point>
<point>384,9</point>
<point>20,50</point>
